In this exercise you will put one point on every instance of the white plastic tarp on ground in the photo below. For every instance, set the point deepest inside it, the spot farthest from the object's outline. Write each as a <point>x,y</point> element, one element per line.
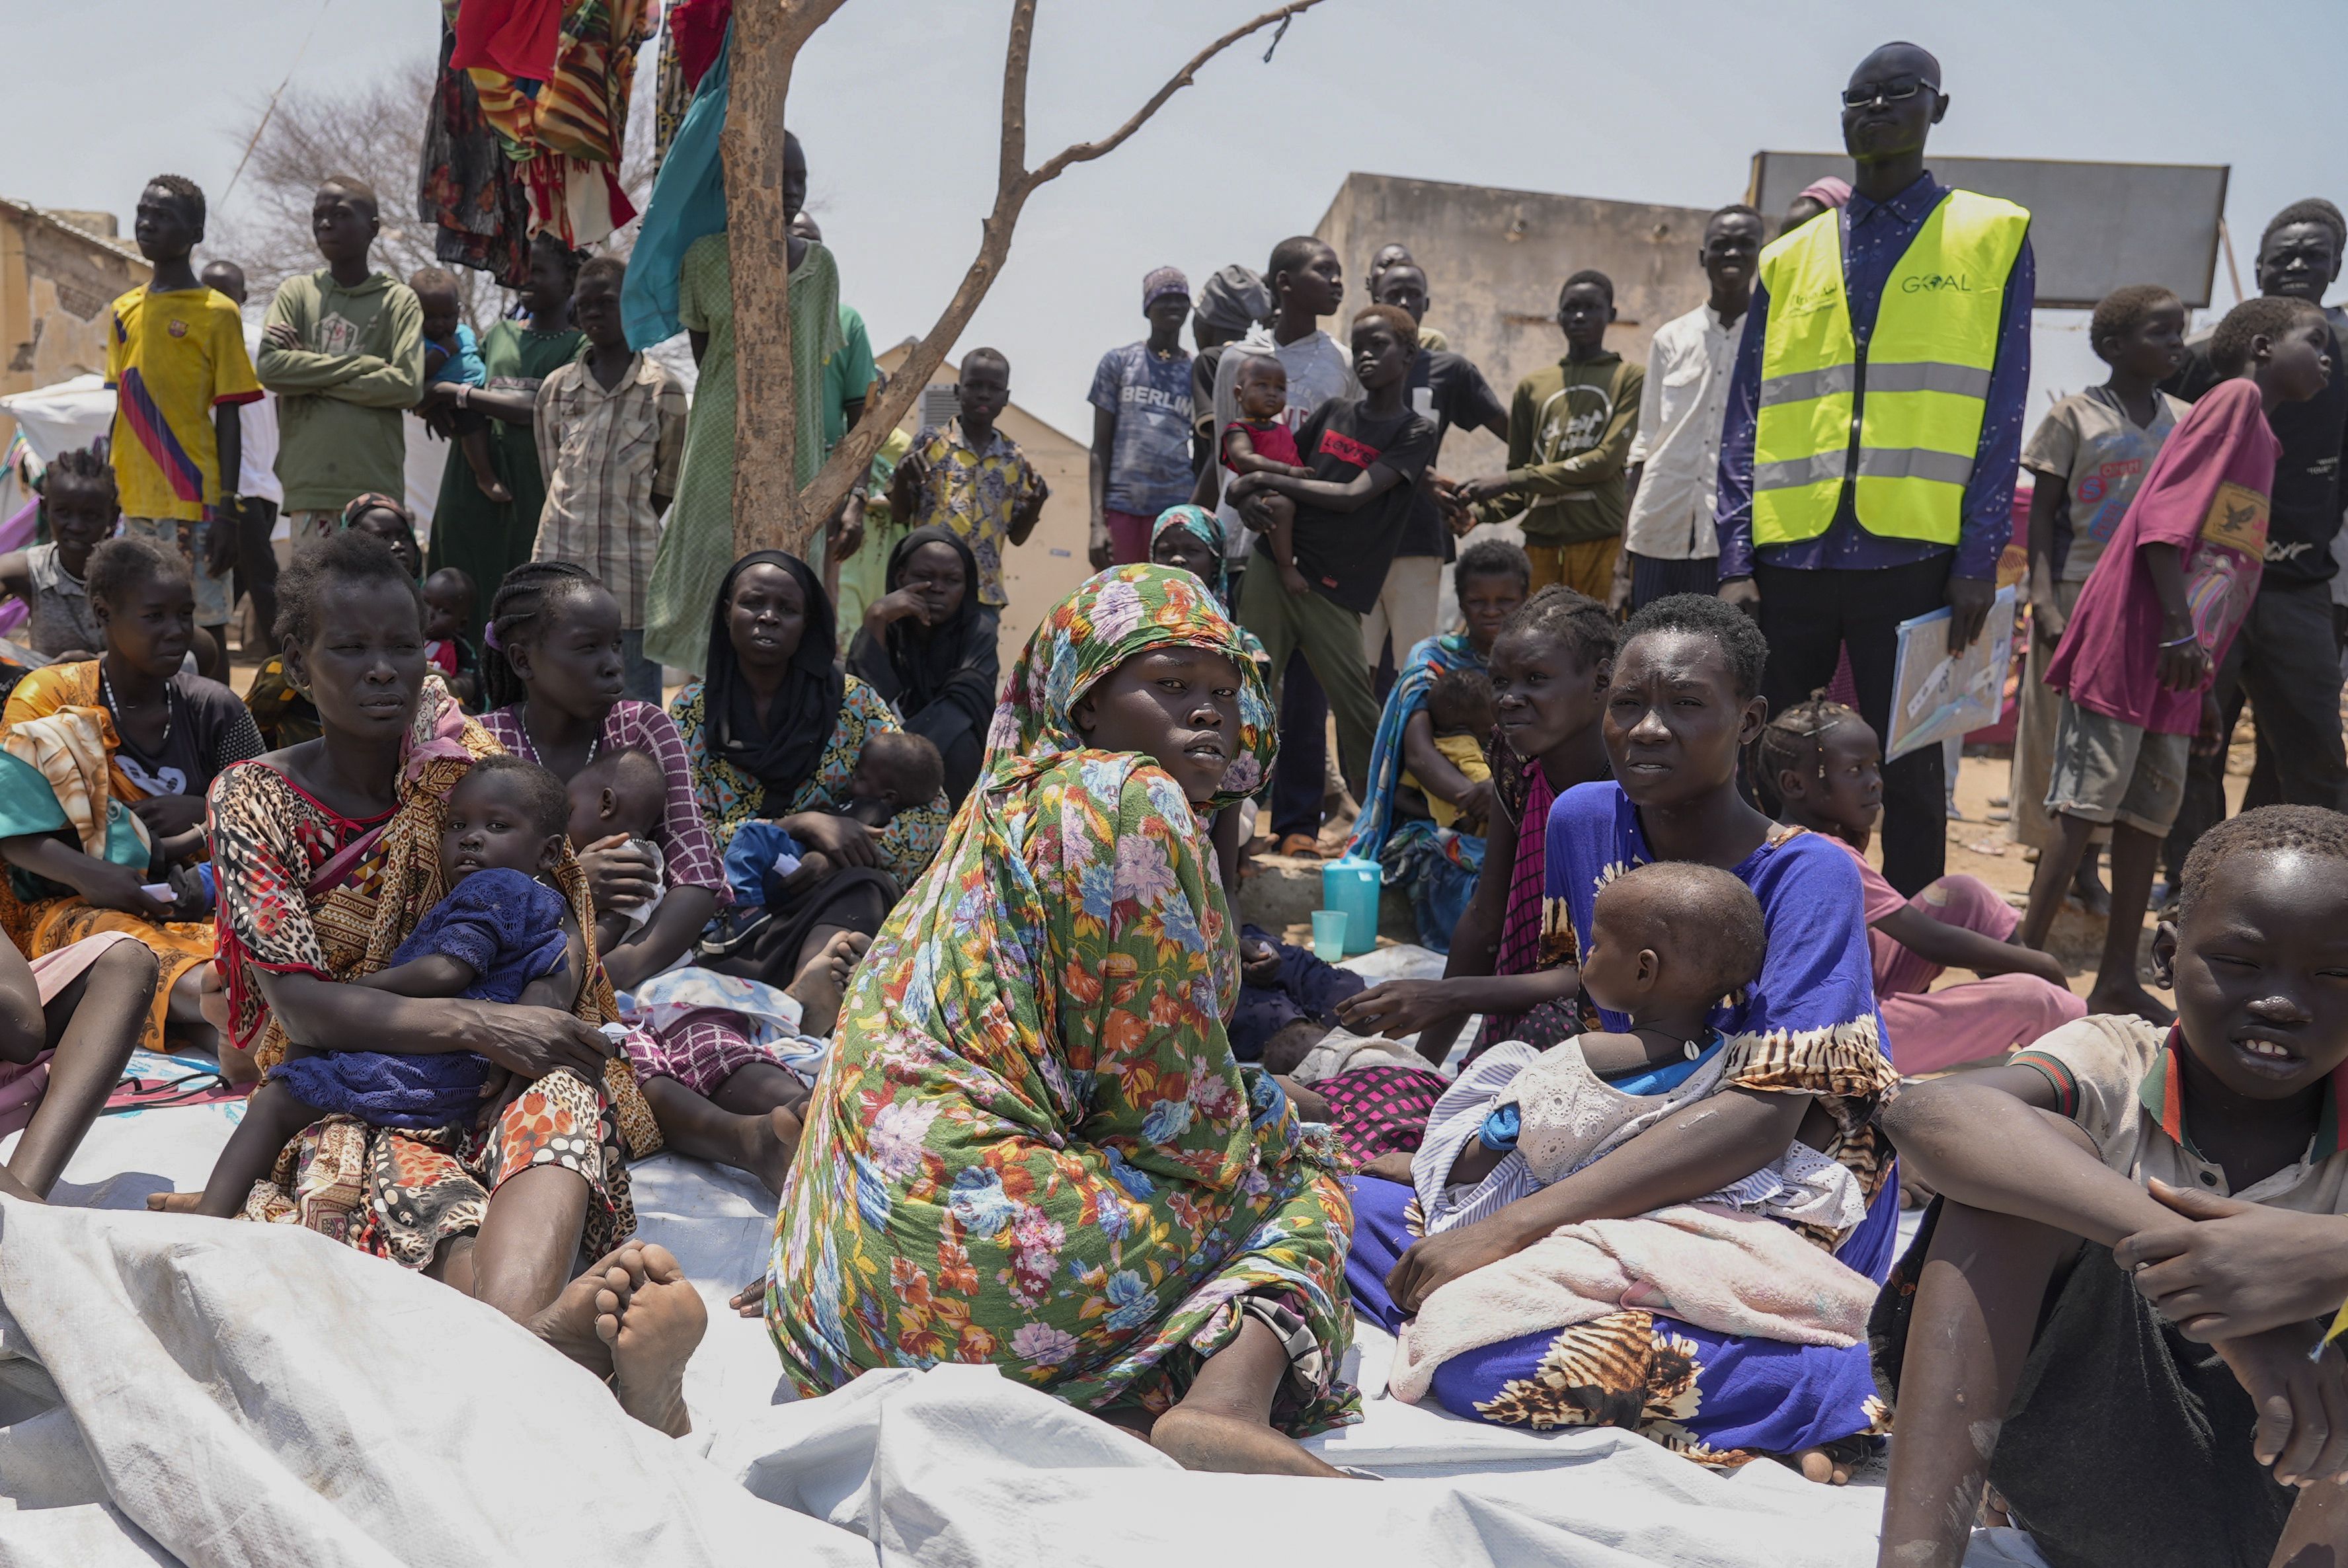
<point>214,1392</point>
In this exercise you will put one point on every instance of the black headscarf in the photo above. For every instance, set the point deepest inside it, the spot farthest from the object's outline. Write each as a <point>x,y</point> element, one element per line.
<point>782,756</point>
<point>920,665</point>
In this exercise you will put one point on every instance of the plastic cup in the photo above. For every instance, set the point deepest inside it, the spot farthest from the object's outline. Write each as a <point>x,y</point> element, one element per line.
<point>1329,934</point>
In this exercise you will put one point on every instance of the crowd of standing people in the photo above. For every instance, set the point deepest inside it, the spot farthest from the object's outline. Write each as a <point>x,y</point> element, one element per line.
<point>949,960</point>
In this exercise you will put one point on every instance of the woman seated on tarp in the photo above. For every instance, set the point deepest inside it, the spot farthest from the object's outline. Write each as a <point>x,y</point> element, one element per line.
<point>284,713</point>
<point>927,647</point>
<point>772,734</point>
<point>328,855</point>
<point>1799,1058</point>
<point>102,788</point>
<point>1414,778</point>
<point>1032,1148</point>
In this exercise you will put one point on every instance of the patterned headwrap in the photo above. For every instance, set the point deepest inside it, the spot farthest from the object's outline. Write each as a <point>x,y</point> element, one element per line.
<point>1207,526</point>
<point>1163,281</point>
<point>376,500</point>
<point>1112,616</point>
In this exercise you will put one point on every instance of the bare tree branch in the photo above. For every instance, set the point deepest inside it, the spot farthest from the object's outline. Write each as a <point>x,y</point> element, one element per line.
<point>853,458</point>
<point>1086,151</point>
<point>1012,166</point>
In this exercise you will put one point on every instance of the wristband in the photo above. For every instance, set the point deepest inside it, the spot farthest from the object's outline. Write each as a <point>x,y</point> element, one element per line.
<point>2180,642</point>
<point>464,395</point>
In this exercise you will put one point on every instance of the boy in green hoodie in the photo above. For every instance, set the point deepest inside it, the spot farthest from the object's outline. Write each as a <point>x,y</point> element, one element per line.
<point>343,350</point>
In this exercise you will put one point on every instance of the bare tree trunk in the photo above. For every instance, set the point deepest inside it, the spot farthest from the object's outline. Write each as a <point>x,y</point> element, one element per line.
<point>769,510</point>
<point>768,37</point>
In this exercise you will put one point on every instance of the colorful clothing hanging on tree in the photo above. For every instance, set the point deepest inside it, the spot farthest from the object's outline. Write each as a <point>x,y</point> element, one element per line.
<point>467,188</point>
<point>692,35</point>
<point>562,131</point>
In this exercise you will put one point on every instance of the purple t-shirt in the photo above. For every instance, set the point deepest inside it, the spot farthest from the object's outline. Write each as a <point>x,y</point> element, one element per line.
<point>1150,461</point>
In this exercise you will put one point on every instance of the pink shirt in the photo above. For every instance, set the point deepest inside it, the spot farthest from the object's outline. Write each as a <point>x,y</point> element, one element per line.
<point>2206,494</point>
<point>1275,441</point>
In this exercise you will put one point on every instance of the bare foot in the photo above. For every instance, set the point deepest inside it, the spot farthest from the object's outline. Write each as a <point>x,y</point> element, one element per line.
<point>2130,998</point>
<point>769,1142</point>
<point>585,1318</point>
<point>823,979</point>
<point>659,1327</point>
<point>1209,1440</point>
<point>1821,1466</point>
<point>174,1203</point>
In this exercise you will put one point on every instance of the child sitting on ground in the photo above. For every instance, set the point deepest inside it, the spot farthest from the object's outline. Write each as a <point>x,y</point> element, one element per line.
<point>1460,706</point>
<point>1260,443</point>
<point>1829,772</point>
<point>895,771</point>
<point>447,610</point>
<point>1668,942</point>
<point>2153,624</point>
<point>451,355</point>
<point>502,933</point>
<point>2109,1315</point>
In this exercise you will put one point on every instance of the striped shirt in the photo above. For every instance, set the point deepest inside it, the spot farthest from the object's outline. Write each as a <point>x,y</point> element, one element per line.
<point>605,455</point>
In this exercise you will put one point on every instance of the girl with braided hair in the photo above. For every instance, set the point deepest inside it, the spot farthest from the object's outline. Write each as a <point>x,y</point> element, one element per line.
<point>553,671</point>
<point>551,676</point>
<point>1828,770</point>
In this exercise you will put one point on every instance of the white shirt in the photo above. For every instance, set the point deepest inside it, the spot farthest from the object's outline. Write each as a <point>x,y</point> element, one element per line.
<point>1679,415</point>
<point>1318,368</point>
<point>258,419</point>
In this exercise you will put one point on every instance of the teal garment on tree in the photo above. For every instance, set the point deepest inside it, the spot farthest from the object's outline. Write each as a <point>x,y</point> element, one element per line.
<point>688,201</point>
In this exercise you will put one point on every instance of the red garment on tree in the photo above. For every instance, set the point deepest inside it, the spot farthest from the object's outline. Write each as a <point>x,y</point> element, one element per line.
<point>696,29</point>
<point>517,37</point>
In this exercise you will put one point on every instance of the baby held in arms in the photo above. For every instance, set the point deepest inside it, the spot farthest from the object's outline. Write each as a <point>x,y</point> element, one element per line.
<point>1669,942</point>
<point>502,933</point>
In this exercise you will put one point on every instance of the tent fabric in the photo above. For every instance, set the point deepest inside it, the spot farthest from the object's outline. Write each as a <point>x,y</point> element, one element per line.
<point>215,1392</point>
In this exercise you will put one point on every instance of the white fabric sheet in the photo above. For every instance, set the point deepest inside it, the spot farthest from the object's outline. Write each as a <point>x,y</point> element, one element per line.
<point>214,1392</point>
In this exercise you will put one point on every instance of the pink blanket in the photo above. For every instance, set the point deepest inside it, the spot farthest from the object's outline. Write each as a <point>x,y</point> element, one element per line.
<point>21,1085</point>
<point>1704,1264</point>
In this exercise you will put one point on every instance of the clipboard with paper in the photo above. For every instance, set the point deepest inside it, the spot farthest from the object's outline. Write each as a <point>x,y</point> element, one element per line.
<point>1935,698</point>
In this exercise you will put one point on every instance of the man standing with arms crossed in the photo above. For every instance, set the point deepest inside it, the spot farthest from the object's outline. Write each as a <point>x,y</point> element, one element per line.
<point>1874,428</point>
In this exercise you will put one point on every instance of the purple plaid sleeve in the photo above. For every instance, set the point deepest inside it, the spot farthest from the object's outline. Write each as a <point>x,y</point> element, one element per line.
<point>691,853</point>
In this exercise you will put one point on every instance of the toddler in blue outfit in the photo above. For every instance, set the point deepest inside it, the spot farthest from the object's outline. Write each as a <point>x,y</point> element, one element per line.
<point>451,354</point>
<point>502,933</point>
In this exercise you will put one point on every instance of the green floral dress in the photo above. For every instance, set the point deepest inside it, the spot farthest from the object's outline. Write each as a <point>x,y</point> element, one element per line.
<point>1032,1146</point>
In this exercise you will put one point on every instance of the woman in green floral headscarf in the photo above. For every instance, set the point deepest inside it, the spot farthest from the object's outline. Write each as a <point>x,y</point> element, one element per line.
<point>1032,1146</point>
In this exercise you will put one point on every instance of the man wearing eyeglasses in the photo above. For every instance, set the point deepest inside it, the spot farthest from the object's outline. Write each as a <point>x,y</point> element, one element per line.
<point>1874,426</point>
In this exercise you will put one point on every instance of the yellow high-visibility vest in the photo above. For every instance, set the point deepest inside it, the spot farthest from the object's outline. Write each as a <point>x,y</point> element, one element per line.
<point>1913,400</point>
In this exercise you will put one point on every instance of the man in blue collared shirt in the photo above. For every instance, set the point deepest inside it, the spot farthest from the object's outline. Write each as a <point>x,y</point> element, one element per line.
<point>1849,587</point>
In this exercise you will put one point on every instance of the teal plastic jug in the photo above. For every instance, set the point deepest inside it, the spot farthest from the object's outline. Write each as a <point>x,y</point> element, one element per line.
<point>1352,884</point>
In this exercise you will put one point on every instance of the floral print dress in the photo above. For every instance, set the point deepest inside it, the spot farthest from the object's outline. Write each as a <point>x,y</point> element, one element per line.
<point>1032,1146</point>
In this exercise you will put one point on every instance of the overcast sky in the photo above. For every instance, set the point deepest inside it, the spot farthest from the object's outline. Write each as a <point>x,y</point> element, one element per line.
<point>897,102</point>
